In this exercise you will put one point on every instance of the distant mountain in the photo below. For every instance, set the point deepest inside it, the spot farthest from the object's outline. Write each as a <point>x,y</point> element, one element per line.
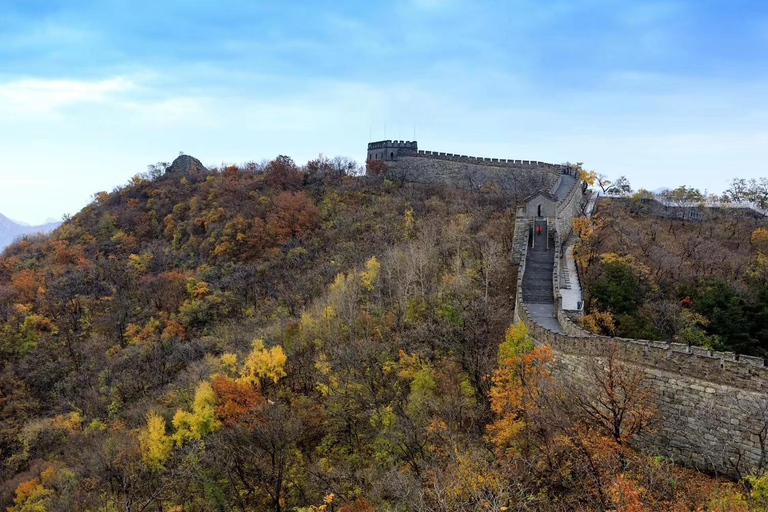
<point>11,230</point>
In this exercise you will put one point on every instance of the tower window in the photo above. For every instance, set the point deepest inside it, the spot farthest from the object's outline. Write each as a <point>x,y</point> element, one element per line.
<point>392,156</point>
<point>539,210</point>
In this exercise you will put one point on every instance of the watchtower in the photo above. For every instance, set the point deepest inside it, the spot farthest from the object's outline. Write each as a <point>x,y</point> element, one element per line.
<point>389,150</point>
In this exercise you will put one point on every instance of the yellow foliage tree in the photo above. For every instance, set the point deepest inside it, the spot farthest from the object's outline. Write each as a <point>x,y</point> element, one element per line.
<point>371,272</point>
<point>588,177</point>
<point>759,239</point>
<point>33,495</point>
<point>515,394</point>
<point>409,220</point>
<point>599,322</point>
<point>263,363</point>
<point>229,362</point>
<point>516,342</point>
<point>155,444</point>
<point>202,420</point>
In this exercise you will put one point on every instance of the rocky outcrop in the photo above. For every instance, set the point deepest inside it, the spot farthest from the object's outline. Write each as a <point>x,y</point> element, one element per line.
<point>186,164</point>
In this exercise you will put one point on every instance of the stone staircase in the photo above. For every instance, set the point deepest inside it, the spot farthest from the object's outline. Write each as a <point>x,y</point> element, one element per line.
<point>537,281</point>
<point>565,276</point>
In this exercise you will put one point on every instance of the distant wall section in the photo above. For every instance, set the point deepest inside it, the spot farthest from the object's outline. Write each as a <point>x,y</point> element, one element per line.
<point>517,178</point>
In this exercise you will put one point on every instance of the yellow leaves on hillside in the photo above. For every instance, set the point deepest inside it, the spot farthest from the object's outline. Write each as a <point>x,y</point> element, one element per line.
<point>338,286</point>
<point>371,272</point>
<point>515,393</point>
<point>155,444</point>
<point>587,228</point>
<point>516,342</point>
<point>423,381</point>
<point>226,400</point>
<point>229,362</point>
<point>33,495</point>
<point>350,283</point>
<point>71,422</point>
<point>263,363</point>
<point>409,223</point>
<point>598,322</point>
<point>201,421</point>
<point>197,289</point>
<point>140,263</point>
<point>641,271</point>
<point>759,239</point>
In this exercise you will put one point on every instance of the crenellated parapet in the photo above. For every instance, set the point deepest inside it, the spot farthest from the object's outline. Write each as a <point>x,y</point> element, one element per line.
<point>405,162</point>
<point>495,162</point>
<point>390,150</point>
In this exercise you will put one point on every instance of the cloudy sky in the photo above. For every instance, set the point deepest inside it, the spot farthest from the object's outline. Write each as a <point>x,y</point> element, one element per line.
<point>91,92</point>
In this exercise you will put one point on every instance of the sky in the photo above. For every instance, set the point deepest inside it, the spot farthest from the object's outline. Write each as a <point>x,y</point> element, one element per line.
<point>91,92</point>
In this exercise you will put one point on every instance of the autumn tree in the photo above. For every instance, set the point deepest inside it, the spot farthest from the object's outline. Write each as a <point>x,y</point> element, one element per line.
<point>516,392</point>
<point>618,400</point>
<point>283,173</point>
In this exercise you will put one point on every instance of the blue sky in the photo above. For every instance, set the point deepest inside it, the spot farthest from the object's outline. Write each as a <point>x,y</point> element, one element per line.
<point>663,92</point>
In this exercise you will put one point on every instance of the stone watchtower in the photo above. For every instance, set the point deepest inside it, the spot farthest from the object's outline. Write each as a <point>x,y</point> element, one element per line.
<point>389,150</point>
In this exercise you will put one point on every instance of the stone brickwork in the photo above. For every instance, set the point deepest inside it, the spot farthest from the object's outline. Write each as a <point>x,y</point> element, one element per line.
<point>713,406</point>
<point>391,150</point>
<point>516,182</point>
<point>569,208</point>
<point>516,178</point>
<point>520,239</point>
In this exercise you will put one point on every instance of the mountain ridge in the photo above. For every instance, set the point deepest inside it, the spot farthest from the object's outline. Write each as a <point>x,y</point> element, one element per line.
<point>11,230</point>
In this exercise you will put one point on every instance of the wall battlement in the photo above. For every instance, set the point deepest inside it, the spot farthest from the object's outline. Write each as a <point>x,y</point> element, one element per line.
<point>501,162</point>
<point>405,162</point>
<point>390,150</point>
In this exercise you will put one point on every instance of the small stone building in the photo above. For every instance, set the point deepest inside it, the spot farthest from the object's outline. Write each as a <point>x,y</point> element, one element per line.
<point>541,204</point>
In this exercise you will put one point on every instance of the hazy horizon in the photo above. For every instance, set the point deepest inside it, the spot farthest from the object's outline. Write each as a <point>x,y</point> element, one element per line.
<point>666,93</point>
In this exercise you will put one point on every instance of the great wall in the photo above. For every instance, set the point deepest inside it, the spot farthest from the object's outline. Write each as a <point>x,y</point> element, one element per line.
<point>712,406</point>
<point>516,178</point>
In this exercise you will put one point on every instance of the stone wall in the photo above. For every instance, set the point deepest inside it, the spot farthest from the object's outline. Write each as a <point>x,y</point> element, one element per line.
<point>702,212</point>
<point>516,180</point>
<point>569,208</point>
<point>713,406</point>
<point>520,239</point>
<point>492,162</point>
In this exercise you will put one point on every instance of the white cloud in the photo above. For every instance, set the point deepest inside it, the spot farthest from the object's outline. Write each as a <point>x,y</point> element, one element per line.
<point>43,96</point>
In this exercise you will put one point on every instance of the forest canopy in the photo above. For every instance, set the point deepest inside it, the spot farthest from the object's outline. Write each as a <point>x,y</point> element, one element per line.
<point>276,337</point>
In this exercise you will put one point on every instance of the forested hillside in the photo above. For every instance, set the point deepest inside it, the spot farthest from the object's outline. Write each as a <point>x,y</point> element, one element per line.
<point>702,282</point>
<point>269,337</point>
